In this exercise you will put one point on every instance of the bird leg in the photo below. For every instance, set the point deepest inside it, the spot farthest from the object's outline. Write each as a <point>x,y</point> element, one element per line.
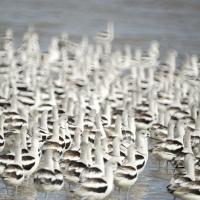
<point>46,195</point>
<point>16,190</point>
<point>7,192</point>
<point>159,164</point>
<point>127,195</point>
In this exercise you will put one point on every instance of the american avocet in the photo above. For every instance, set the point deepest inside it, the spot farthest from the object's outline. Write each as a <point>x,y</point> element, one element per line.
<point>24,134</point>
<point>74,152</point>
<point>159,130</point>
<point>188,187</point>
<point>144,120</point>
<point>53,141</point>
<point>167,150</point>
<point>74,168</point>
<point>64,133</point>
<point>106,35</point>
<point>13,120</point>
<point>115,131</point>
<point>54,115</point>
<point>44,177</point>
<point>26,97</point>
<point>116,156</point>
<point>106,116</point>
<point>183,179</point>
<point>30,161</point>
<point>97,169</point>
<point>46,103</point>
<point>187,147</point>
<point>8,158</point>
<point>97,188</point>
<point>141,155</point>
<point>59,179</point>
<point>53,52</point>
<point>43,127</point>
<point>13,173</point>
<point>126,174</point>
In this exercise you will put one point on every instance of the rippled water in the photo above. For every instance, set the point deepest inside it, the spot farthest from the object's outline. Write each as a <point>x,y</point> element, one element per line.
<point>175,23</point>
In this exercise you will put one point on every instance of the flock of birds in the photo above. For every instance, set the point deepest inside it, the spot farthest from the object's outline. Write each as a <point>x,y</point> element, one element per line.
<point>81,114</point>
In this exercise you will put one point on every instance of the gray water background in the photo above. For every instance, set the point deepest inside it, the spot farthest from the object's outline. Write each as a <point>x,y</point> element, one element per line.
<point>174,23</point>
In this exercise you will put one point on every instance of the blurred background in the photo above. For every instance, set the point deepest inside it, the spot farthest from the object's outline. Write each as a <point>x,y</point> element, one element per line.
<point>175,23</point>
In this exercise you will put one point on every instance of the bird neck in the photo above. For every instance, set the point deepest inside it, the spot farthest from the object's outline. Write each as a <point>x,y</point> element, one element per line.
<point>48,161</point>
<point>190,170</point>
<point>77,138</point>
<point>18,156</point>
<point>166,118</point>
<point>161,117</point>
<point>116,147</point>
<point>56,165</point>
<point>197,122</point>
<point>187,142</point>
<point>180,132</point>
<point>14,103</point>
<point>80,123</point>
<point>24,142</point>
<point>2,125</point>
<point>55,113</point>
<point>125,119</point>
<point>194,112</point>
<point>85,136</point>
<point>142,145</point>
<point>97,141</point>
<point>84,155</point>
<point>55,131</point>
<point>105,145</point>
<point>118,128</point>
<point>109,174</point>
<point>131,124</point>
<point>35,147</point>
<point>70,107</point>
<point>99,158</point>
<point>108,113</point>
<point>171,127</point>
<point>151,75</point>
<point>131,155</point>
<point>100,126</point>
<point>89,155</point>
<point>44,121</point>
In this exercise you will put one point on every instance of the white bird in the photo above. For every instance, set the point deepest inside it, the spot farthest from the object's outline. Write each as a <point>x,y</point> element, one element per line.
<point>126,174</point>
<point>187,187</point>
<point>97,169</point>
<point>44,177</point>
<point>74,168</point>
<point>141,155</point>
<point>59,178</point>
<point>97,188</point>
<point>30,161</point>
<point>13,173</point>
<point>167,150</point>
<point>53,142</point>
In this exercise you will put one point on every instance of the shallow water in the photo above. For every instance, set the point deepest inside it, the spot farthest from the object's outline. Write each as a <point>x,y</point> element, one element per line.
<point>174,23</point>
